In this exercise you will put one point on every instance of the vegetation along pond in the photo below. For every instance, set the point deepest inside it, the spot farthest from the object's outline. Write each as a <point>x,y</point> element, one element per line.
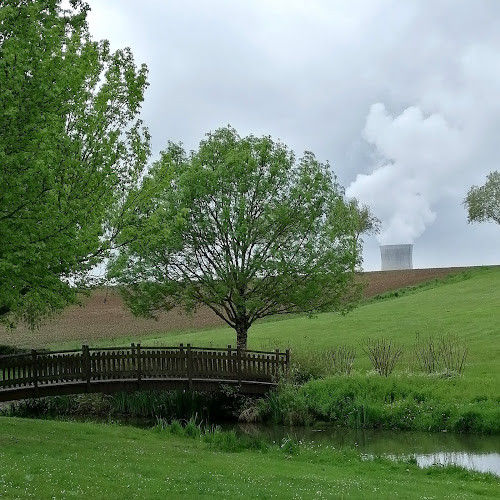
<point>475,452</point>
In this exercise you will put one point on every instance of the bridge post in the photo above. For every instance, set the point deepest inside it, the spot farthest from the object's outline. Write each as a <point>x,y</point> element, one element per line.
<point>287,361</point>
<point>86,364</point>
<point>189,367</point>
<point>230,363</point>
<point>238,363</point>
<point>35,372</point>
<point>139,366</point>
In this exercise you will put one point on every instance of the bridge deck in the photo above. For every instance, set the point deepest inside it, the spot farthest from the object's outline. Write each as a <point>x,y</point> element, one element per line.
<point>133,368</point>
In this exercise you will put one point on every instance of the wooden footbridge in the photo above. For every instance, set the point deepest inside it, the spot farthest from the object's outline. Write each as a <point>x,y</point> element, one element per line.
<point>135,368</point>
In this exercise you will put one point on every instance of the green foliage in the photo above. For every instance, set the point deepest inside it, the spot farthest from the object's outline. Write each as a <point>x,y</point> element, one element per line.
<point>289,446</point>
<point>286,406</point>
<point>70,147</point>
<point>245,228</point>
<point>397,403</point>
<point>176,428</point>
<point>8,349</point>
<point>465,308</point>
<point>483,203</point>
<point>227,441</point>
<point>468,308</point>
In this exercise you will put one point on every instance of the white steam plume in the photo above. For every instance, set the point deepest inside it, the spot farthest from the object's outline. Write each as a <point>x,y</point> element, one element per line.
<point>422,158</point>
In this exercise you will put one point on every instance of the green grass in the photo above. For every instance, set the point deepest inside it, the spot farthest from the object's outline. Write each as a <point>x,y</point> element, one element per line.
<point>47,459</point>
<point>469,308</point>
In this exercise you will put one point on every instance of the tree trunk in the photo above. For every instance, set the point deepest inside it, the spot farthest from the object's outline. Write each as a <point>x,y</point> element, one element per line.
<point>241,336</point>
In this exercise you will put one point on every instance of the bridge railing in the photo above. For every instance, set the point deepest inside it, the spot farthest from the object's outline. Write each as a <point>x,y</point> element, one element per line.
<point>138,363</point>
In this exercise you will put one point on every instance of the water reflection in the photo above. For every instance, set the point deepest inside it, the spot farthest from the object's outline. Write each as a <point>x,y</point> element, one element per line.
<point>474,452</point>
<point>481,462</point>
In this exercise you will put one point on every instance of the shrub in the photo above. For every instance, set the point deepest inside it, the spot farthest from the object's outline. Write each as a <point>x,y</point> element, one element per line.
<point>290,446</point>
<point>383,355</point>
<point>343,358</point>
<point>445,355</point>
<point>311,365</point>
<point>452,354</point>
<point>176,428</point>
<point>192,429</point>
<point>427,354</point>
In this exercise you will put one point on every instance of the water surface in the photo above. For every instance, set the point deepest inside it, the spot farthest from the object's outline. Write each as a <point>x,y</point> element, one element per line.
<point>475,452</point>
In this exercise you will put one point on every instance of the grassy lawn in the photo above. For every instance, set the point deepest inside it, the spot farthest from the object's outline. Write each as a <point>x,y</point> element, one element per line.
<point>50,459</point>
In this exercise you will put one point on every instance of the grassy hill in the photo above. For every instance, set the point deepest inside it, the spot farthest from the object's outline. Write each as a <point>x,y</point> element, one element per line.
<point>467,306</point>
<point>103,315</point>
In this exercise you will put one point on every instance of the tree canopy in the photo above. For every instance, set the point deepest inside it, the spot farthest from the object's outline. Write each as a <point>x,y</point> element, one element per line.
<point>244,228</point>
<point>483,202</point>
<point>71,145</point>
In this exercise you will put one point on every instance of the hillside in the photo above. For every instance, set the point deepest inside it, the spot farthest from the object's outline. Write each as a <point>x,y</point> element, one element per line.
<point>103,315</point>
<point>467,308</point>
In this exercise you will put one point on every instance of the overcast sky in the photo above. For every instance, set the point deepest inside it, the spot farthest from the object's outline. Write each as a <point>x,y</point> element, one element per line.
<point>402,98</point>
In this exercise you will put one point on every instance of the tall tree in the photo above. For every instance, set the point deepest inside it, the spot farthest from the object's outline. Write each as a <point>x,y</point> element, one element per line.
<point>483,203</point>
<point>242,227</point>
<point>71,146</point>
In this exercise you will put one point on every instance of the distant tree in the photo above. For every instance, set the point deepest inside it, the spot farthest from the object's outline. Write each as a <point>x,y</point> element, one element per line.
<point>70,148</point>
<point>483,203</point>
<point>244,228</point>
<point>363,221</point>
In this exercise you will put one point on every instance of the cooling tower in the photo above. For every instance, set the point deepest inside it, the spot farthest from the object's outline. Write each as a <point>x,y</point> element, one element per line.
<point>396,257</point>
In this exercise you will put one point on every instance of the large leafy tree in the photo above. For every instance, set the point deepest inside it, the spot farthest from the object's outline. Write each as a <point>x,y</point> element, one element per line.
<point>483,202</point>
<point>243,227</point>
<point>71,146</point>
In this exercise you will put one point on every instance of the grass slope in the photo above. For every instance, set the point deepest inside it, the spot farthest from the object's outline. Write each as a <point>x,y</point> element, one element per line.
<point>45,459</point>
<point>469,308</point>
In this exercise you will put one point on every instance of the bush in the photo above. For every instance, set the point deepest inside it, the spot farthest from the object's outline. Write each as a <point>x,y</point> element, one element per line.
<point>285,406</point>
<point>311,365</point>
<point>148,404</point>
<point>383,355</point>
<point>445,354</point>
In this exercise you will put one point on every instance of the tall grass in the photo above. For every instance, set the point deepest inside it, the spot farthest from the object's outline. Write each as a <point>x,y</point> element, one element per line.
<point>227,441</point>
<point>409,402</point>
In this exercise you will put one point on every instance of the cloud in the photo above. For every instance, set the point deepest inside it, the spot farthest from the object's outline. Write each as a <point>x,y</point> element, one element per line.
<point>420,159</point>
<point>400,97</point>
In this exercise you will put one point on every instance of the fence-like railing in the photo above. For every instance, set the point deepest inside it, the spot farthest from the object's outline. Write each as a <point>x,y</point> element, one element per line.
<point>92,366</point>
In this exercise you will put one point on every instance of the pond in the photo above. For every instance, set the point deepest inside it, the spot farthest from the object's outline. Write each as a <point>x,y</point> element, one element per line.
<point>475,452</point>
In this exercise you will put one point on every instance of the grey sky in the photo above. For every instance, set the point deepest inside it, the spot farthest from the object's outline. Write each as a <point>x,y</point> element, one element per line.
<point>401,97</point>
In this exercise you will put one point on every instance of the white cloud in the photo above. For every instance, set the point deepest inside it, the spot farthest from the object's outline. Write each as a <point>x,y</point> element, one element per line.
<point>422,159</point>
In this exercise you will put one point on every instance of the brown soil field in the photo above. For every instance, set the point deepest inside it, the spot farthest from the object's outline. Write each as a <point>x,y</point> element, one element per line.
<point>103,316</point>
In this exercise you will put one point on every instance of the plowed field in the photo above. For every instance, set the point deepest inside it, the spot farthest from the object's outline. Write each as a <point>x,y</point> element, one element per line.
<point>103,315</point>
